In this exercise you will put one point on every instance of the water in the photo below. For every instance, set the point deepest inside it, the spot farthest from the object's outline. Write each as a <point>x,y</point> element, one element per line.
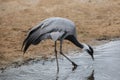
<point>106,66</point>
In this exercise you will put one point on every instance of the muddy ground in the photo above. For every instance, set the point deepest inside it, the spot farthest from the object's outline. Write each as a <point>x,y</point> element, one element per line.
<point>95,20</point>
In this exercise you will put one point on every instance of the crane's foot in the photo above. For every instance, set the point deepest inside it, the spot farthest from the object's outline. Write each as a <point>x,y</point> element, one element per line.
<point>74,66</point>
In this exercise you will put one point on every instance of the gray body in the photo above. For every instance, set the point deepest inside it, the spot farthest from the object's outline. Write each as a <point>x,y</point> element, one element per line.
<point>55,28</point>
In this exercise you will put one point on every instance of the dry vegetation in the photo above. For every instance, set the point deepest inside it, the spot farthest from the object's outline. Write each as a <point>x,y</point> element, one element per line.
<point>94,19</point>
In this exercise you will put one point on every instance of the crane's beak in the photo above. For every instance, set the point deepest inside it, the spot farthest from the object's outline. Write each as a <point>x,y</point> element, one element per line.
<point>91,53</point>
<point>92,57</point>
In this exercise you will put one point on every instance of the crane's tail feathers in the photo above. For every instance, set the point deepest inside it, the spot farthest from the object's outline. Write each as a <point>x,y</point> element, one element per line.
<point>23,44</point>
<point>41,37</point>
<point>26,47</point>
<point>26,44</point>
<point>36,41</point>
<point>35,35</point>
<point>32,39</point>
<point>29,33</point>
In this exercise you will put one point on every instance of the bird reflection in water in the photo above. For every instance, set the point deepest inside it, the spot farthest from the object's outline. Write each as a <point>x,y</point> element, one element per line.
<point>91,77</point>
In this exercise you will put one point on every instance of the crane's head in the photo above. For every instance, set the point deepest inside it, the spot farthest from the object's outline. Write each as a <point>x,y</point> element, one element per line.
<point>88,49</point>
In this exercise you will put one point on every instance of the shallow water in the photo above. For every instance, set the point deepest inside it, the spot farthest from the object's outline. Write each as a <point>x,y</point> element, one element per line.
<point>106,66</point>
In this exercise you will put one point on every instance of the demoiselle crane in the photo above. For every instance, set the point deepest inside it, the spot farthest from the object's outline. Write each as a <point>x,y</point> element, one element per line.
<point>56,28</point>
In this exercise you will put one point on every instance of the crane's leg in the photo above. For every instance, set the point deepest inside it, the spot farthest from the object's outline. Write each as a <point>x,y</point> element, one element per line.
<point>73,63</point>
<point>56,57</point>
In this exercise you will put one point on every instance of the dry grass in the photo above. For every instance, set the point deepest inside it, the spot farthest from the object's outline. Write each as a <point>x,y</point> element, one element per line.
<point>95,19</point>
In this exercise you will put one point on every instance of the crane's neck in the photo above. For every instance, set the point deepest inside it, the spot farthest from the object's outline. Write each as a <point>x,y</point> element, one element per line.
<point>74,41</point>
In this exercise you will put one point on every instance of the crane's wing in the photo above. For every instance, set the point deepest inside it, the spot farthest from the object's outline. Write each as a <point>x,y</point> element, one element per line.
<point>37,38</point>
<point>41,32</point>
<point>53,35</point>
<point>51,28</point>
<point>35,33</point>
<point>30,39</point>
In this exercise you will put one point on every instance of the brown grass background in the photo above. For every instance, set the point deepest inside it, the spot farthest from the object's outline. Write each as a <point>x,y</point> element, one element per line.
<point>94,19</point>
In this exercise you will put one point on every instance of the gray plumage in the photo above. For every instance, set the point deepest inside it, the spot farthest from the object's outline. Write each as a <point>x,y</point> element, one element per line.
<point>52,28</point>
<point>55,28</point>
